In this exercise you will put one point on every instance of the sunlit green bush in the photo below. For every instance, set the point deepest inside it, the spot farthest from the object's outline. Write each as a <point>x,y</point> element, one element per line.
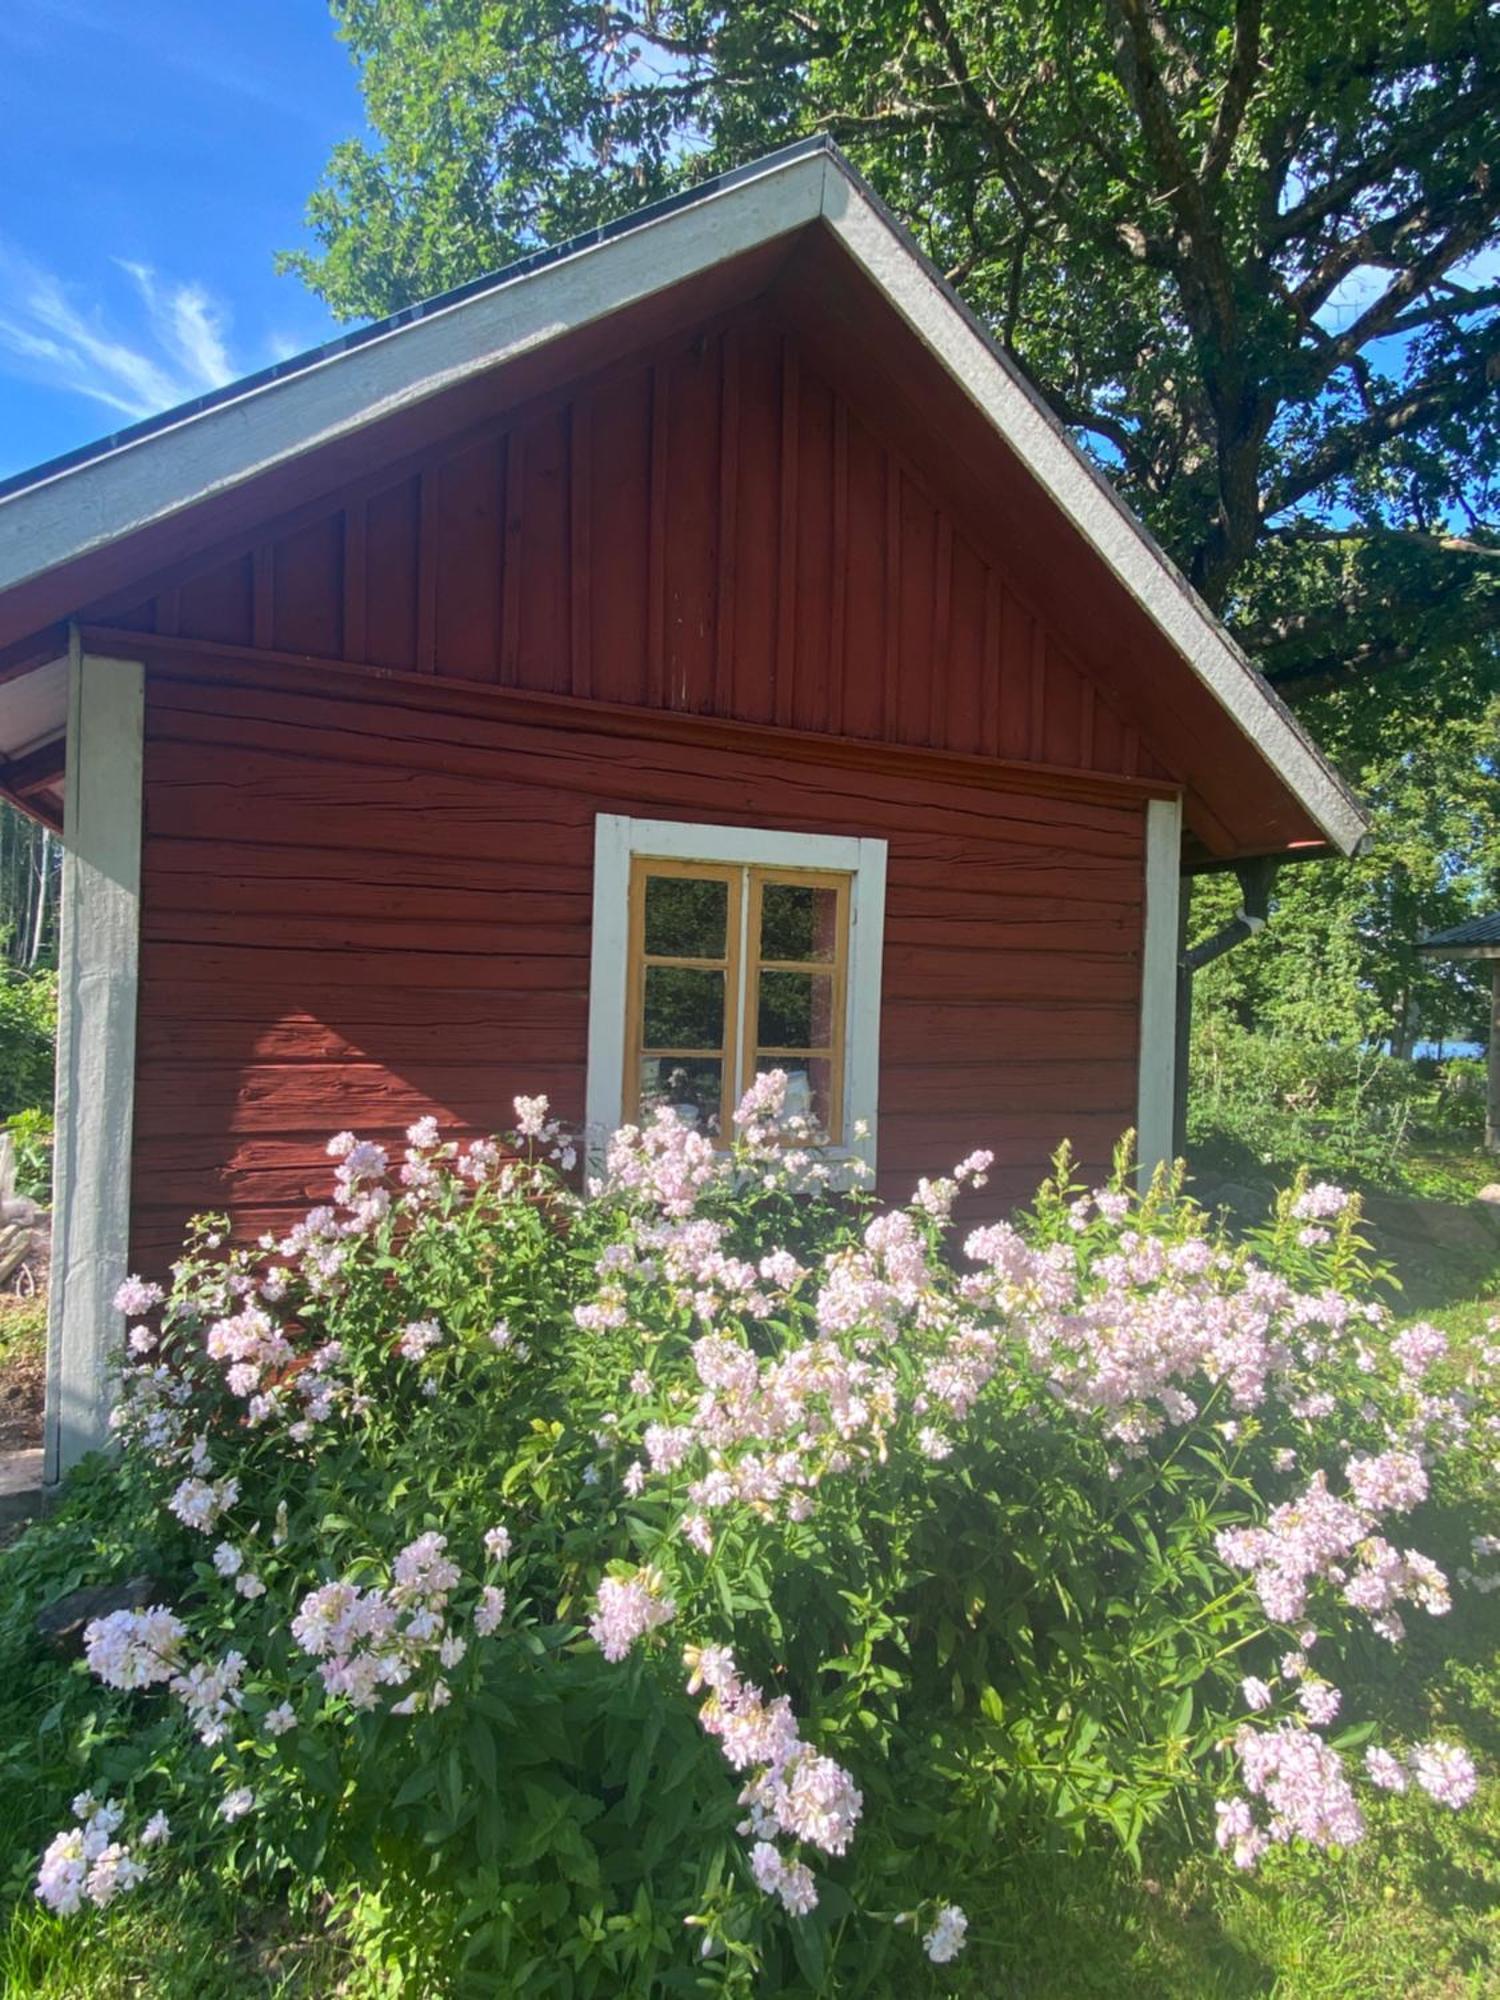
<point>701,1584</point>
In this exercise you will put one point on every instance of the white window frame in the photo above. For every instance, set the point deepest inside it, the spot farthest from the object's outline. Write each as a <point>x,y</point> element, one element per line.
<point>618,841</point>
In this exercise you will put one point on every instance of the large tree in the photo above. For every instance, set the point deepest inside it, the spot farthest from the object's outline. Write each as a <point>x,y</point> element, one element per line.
<point>1249,248</point>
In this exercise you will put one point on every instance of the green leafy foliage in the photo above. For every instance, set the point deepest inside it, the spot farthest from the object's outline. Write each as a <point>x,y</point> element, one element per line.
<point>1263,1101</point>
<point>1004,1610</point>
<point>28,1032</point>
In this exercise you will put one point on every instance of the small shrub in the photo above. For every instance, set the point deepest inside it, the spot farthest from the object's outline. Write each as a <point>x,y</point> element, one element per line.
<point>32,1136</point>
<point>697,1585</point>
<point>1264,1103</point>
<point>28,1038</point>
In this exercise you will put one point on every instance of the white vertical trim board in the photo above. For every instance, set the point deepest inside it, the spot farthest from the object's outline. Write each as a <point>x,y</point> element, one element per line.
<point>618,839</point>
<point>98,976</point>
<point>1158,1047</point>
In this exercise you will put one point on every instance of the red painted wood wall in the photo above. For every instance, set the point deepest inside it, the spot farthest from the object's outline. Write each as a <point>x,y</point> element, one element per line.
<point>364,899</point>
<point>362,904</point>
<point>709,529</point>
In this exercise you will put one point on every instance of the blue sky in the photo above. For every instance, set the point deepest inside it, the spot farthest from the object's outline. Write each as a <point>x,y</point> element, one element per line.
<point>154,155</point>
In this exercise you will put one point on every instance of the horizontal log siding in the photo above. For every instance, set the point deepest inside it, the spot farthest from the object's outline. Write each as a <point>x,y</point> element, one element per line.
<point>356,908</point>
<point>711,529</point>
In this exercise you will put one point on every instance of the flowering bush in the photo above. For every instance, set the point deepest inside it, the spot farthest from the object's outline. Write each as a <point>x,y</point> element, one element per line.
<point>715,1567</point>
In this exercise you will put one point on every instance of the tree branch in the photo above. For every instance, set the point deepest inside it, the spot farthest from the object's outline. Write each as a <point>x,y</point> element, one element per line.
<point>1244,63</point>
<point>1343,448</point>
<point>1455,114</point>
<point>1417,538</point>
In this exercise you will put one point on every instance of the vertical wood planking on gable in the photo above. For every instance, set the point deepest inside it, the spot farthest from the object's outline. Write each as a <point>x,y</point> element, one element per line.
<point>812,595</point>
<point>463,566</point>
<point>1062,721</point>
<point>757,522</point>
<point>218,604</point>
<point>1090,707</point>
<point>1036,699</point>
<point>712,528</point>
<point>429,543</point>
<point>658,474</point>
<point>546,612</point>
<point>356,644</point>
<point>988,742</point>
<point>619,514</point>
<point>513,472</point>
<point>728,531</point>
<point>690,572</point>
<point>890,675</point>
<point>866,624</point>
<point>580,467</point>
<point>786,538</point>
<point>959,673</point>
<point>391,576</point>
<point>1015,677</point>
<point>918,577</point>
<point>941,683</point>
<point>263,596</point>
<point>307,589</point>
<point>838,665</point>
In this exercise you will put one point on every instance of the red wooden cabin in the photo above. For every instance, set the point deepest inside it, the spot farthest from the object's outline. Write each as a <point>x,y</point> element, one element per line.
<point>688,650</point>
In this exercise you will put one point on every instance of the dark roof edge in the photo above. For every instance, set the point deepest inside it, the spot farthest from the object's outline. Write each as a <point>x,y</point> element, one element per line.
<point>1477,930</point>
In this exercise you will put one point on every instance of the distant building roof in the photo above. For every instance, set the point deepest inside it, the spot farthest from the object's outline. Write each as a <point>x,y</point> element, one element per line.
<point>1479,937</point>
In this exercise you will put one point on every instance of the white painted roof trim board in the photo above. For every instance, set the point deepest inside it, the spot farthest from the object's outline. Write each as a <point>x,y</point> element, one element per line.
<point>891,262</point>
<point>84,507</point>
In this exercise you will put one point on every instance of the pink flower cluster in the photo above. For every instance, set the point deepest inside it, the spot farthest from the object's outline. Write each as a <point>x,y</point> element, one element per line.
<point>626,1609</point>
<point>85,1863</point>
<point>1303,1784</point>
<point>135,1649</point>
<point>1442,1770</point>
<point>1319,1537</point>
<point>366,1640</point>
<point>665,1163</point>
<point>794,1792</point>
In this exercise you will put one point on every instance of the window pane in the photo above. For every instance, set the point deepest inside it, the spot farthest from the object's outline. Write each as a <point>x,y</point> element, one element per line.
<point>809,1086</point>
<point>692,1088</point>
<point>684,1008</point>
<point>685,917</point>
<point>798,921</point>
<point>796,1010</point>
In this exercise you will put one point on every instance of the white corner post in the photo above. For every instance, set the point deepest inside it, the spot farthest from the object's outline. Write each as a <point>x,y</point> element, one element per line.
<point>98,974</point>
<point>1158,1049</point>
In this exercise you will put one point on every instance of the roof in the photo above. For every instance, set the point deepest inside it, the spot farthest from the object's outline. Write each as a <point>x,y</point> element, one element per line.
<point>61,517</point>
<point>1478,938</point>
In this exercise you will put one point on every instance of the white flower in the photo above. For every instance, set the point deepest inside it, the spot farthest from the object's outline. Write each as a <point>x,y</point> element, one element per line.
<point>946,1938</point>
<point>234,1805</point>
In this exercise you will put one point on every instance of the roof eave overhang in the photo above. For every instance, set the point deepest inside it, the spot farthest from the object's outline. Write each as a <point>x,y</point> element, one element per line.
<point>83,508</point>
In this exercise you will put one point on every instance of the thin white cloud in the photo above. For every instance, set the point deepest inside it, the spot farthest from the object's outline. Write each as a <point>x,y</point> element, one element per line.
<point>172,346</point>
<point>187,324</point>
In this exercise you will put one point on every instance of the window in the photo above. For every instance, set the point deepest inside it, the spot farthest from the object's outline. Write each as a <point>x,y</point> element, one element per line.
<point>723,952</point>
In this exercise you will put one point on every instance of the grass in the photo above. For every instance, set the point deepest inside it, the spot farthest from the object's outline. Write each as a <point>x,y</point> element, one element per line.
<point>1412,1914</point>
